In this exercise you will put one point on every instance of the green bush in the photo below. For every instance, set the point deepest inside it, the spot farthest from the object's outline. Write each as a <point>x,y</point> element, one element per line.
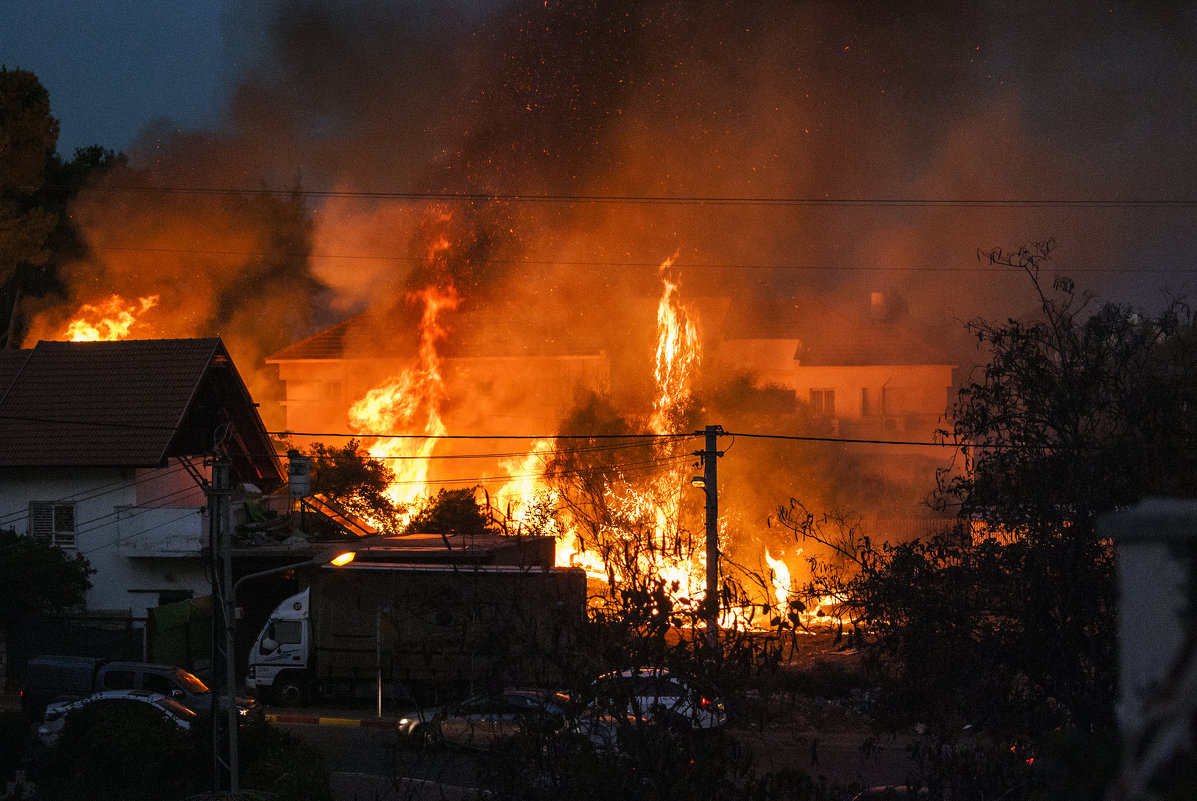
<point>120,751</point>
<point>275,761</point>
<point>14,730</point>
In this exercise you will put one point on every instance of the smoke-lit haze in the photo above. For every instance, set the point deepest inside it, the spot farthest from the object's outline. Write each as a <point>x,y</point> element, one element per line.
<point>789,136</point>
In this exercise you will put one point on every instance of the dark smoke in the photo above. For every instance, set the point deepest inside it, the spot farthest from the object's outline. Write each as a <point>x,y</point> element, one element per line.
<point>367,103</point>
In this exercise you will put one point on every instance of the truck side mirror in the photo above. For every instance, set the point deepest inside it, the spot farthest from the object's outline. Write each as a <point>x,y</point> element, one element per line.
<point>268,646</point>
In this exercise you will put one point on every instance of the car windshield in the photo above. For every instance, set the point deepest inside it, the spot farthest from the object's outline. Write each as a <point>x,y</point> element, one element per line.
<point>191,683</point>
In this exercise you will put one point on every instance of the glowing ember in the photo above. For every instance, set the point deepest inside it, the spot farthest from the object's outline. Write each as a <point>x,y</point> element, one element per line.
<point>108,320</point>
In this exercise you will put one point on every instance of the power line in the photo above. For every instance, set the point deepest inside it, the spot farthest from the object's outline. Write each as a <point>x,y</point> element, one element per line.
<point>375,435</point>
<point>681,265</point>
<point>666,200</point>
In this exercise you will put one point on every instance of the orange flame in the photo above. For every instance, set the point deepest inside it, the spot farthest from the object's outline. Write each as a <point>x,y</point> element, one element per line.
<point>408,405</point>
<point>653,506</point>
<point>107,320</point>
<point>678,353</point>
<point>781,580</point>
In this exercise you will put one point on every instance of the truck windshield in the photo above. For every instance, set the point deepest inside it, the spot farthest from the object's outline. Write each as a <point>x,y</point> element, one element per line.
<point>191,683</point>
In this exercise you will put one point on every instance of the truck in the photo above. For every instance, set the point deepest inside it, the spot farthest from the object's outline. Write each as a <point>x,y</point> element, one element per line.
<point>51,678</point>
<point>397,629</point>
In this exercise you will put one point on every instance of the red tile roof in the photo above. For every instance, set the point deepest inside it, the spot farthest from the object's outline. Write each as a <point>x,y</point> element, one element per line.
<point>327,344</point>
<point>127,404</point>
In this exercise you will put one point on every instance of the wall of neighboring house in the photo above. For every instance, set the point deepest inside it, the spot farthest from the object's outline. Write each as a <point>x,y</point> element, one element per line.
<point>142,531</point>
<point>769,362</point>
<point>909,396</point>
<point>316,394</point>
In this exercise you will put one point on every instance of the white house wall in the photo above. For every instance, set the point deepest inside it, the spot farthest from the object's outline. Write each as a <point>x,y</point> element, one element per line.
<point>121,584</point>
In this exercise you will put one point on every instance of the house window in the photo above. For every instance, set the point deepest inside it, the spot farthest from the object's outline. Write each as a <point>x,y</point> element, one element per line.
<point>53,522</point>
<point>822,402</point>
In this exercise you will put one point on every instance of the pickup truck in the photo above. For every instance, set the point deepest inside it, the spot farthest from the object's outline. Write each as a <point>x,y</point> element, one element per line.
<point>68,678</point>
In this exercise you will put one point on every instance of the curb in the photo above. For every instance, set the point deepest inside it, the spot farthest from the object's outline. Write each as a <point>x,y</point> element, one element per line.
<point>318,720</point>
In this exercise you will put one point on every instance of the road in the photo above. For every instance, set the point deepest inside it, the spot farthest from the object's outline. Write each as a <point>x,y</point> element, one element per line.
<point>369,763</point>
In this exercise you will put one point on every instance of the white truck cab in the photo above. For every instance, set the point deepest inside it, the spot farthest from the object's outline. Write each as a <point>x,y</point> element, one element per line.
<point>279,658</point>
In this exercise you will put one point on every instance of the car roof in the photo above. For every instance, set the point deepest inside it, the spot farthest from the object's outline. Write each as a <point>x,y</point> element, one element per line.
<point>114,695</point>
<point>142,666</point>
<point>644,672</point>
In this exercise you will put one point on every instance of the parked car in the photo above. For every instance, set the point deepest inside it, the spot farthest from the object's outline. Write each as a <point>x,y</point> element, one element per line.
<point>655,696</point>
<point>51,678</point>
<point>482,720</point>
<point>68,678</point>
<point>168,708</point>
<point>899,792</point>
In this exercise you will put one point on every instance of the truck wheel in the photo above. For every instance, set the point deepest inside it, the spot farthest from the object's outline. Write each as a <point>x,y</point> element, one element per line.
<point>290,691</point>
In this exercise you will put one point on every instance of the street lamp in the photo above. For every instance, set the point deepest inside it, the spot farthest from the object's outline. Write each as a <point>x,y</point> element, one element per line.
<point>230,662</point>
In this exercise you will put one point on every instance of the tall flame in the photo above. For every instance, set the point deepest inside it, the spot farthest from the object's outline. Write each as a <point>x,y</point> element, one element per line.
<point>409,404</point>
<point>643,537</point>
<point>108,320</point>
<point>678,354</point>
<point>781,580</point>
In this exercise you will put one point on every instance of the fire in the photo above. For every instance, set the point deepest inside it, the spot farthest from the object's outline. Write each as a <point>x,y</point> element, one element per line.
<point>107,320</point>
<point>408,405</point>
<point>526,500</point>
<point>781,580</point>
<point>678,354</point>
<point>643,539</point>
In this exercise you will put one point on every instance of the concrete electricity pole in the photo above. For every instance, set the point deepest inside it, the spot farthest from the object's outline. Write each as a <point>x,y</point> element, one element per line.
<point>709,484</point>
<point>226,765</point>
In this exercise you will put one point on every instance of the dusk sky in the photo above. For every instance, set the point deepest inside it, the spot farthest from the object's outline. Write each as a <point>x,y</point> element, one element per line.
<point>112,67</point>
<point>1089,108</point>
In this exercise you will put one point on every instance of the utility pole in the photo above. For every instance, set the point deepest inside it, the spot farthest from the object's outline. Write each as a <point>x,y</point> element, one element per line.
<point>226,769</point>
<point>709,483</point>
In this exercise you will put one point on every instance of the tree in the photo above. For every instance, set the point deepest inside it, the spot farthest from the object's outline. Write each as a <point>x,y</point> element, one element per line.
<point>37,233</point>
<point>450,512</point>
<point>37,578</point>
<point>1005,622</point>
<point>350,477</point>
<point>28,136</point>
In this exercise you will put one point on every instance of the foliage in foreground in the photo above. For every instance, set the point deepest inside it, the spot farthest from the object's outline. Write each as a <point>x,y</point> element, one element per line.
<point>653,762</point>
<point>36,577</point>
<point>280,763</point>
<point>1000,631</point>
<point>114,751</point>
<point>126,751</point>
